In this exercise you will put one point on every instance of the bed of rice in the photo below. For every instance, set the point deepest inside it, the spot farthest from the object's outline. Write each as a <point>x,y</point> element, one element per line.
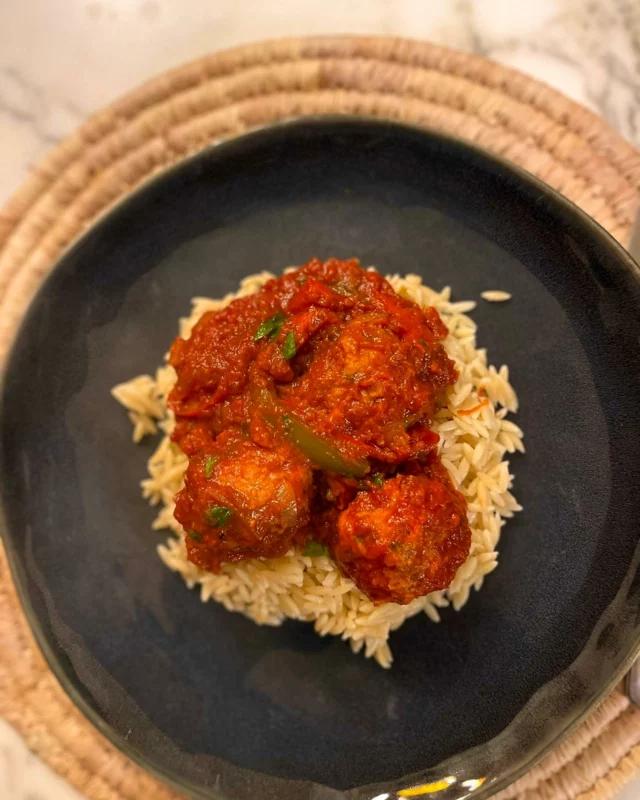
<point>473,447</point>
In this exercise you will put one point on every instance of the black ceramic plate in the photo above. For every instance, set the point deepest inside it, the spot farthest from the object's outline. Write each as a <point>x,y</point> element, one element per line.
<point>217,705</point>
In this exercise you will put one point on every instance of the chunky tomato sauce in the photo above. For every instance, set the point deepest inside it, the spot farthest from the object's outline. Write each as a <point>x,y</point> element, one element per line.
<point>305,411</point>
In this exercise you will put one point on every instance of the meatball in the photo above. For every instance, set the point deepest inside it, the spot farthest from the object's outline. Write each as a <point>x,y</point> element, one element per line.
<point>241,500</point>
<point>372,391</point>
<point>404,539</point>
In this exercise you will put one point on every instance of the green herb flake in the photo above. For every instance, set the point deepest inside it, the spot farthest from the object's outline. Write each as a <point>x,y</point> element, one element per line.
<point>362,486</point>
<point>209,465</point>
<point>270,327</point>
<point>289,349</point>
<point>314,549</point>
<point>378,479</point>
<point>194,535</point>
<point>217,516</point>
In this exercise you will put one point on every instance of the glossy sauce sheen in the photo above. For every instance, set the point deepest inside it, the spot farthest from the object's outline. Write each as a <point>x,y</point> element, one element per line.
<point>305,411</point>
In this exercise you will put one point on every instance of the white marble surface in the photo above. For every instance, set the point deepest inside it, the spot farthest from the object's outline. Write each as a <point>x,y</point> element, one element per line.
<point>62,59</point>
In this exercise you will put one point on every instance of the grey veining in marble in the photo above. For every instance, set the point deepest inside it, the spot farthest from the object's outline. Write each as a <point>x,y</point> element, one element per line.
<point>59,61</point>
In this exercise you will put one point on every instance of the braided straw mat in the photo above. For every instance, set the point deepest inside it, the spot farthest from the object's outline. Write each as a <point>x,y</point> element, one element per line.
<point>221,96</point>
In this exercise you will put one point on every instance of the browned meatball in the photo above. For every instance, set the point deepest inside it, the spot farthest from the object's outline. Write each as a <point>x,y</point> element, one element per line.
<point>241,500</point>
<point>404,539</point>
<point>373,390</point>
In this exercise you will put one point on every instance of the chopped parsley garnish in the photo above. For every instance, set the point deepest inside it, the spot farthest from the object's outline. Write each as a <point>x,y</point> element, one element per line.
<point>365,486</point>
<point>289,349</point>
<point>217,516</point>
<point>270,327</point>
<point>314,549</point>
<point>209,465</point>
<point>194,535</point>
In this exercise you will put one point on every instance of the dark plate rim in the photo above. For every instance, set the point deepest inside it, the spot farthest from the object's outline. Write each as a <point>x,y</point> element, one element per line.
<point>602,237</point>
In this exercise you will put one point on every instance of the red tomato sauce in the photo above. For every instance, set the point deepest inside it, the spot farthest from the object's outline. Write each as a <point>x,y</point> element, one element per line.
<point>305,411</point>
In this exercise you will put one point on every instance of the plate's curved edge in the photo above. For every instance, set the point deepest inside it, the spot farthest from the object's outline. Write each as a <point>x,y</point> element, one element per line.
<point>569,208</point>
<point>101,725</point>
<point>319,120</point>
<point>485,791</point>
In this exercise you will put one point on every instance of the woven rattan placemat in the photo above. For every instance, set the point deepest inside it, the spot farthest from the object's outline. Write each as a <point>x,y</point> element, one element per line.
<point>221,96</point>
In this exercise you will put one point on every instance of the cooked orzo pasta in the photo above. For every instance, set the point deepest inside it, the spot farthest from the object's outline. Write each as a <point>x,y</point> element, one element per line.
<point>475,440</point>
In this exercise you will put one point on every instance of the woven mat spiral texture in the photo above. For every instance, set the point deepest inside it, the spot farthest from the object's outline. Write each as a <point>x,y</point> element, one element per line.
<point>221,96</point>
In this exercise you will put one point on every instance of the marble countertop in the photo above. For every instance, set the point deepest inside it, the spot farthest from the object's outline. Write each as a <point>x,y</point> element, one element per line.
<point>62,59</point>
